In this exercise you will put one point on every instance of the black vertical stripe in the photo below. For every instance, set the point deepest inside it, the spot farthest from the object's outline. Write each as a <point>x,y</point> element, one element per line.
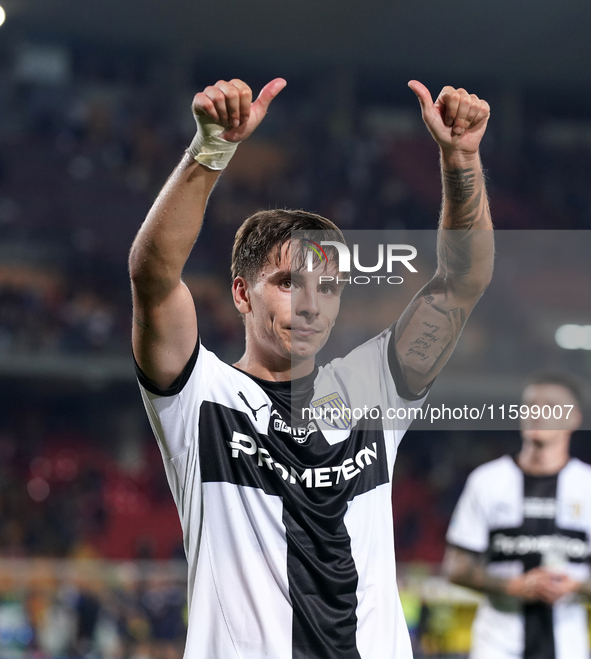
<point>323,593</point>
<point>539,631</point>
<point>538,616</point>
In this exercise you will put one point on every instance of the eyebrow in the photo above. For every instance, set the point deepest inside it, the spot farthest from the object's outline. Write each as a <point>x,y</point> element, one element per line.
<point>286,273</point>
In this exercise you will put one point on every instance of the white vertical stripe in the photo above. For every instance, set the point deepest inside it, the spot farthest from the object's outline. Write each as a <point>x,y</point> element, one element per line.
<point>573,495</point>
<point>571,635</point>
<point>381,629</point>
<point>243,568</point>
<point>497,634</point>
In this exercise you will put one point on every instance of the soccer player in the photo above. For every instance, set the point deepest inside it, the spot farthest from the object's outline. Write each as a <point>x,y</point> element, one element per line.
<point>287,522</point>
<point>520,534</point>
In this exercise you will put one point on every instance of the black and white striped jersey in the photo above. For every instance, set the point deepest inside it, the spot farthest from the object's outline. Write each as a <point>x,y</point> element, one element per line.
<point>522,522</point>
<point>287,523</point>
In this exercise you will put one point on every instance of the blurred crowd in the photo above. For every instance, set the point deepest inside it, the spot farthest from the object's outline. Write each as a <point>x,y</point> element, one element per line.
<point>81,477</point>
<point>55,609</point>
<point>96,609</point>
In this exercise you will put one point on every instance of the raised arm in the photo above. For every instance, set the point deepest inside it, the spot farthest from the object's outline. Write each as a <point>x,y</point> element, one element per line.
<point>428,329</point>
<point>164,331</point>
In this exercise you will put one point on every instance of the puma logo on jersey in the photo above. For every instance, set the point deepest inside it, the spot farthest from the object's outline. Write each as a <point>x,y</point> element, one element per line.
<point>252,409</point>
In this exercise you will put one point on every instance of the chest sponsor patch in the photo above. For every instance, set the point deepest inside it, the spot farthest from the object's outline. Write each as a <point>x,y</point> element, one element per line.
<point>298,434</point>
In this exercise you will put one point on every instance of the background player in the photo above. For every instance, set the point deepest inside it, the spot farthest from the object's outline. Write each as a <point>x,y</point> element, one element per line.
<point>277,530</point>
<point>520,534</point>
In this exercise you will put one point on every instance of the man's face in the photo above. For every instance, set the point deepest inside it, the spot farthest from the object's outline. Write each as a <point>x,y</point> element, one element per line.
<point>560,408</point>
<point>291,313</point>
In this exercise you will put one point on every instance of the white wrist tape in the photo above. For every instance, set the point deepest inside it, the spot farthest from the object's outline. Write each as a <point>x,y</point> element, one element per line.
<point>207,147</point>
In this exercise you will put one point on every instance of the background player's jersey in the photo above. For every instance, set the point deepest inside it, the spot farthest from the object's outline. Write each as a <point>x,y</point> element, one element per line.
<point>287,523</point>
<point>522,522</point>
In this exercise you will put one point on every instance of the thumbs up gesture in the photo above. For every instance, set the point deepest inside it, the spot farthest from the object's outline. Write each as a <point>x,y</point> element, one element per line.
<point>457,120</point>
<point>229,104</point>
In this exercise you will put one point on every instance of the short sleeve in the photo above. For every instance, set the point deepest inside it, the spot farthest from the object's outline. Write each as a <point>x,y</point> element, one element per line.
<point>376,375</point>
<point>173,412</point>
<point>469,528</point>
<point>367,381</point>
<point>177,386</point>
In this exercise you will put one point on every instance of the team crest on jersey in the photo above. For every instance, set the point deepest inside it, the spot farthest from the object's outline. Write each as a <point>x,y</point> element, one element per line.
<point>575,510</point>
<point>332,410</point>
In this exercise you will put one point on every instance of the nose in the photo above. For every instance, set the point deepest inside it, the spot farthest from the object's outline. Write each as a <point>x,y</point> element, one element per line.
<point>305,302</point>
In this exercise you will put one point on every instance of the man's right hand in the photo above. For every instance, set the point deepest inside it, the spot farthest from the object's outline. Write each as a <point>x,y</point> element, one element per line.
<point>230,104</point>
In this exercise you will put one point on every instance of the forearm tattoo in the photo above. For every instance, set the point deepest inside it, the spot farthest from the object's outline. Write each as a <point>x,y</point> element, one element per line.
<point>459,184</point>
<point>465,207</point>
<point>465,569</point>
<point>430,327</point>
<point>464,198</point>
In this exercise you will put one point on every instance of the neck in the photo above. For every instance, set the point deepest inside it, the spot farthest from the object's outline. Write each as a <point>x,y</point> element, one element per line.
<point>543,462</point>
<point>265,369</point>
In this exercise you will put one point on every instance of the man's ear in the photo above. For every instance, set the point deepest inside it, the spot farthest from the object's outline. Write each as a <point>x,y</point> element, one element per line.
<point>575,420</point>
<point>241,295</point>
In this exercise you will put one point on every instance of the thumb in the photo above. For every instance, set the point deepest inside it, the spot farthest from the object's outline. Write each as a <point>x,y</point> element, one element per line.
<point>269,91</point>
<point>422,93</point>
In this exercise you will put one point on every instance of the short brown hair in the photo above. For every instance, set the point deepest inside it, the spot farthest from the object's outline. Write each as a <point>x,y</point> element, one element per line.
<point>266,230</point>
<point>566,380</point>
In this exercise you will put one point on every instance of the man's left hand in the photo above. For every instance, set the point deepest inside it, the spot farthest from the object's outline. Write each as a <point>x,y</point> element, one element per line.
<point>551,587</point>
<point>457,120</point>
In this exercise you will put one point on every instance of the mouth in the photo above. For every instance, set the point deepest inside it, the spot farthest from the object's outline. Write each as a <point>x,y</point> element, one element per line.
<point>303,331</point>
